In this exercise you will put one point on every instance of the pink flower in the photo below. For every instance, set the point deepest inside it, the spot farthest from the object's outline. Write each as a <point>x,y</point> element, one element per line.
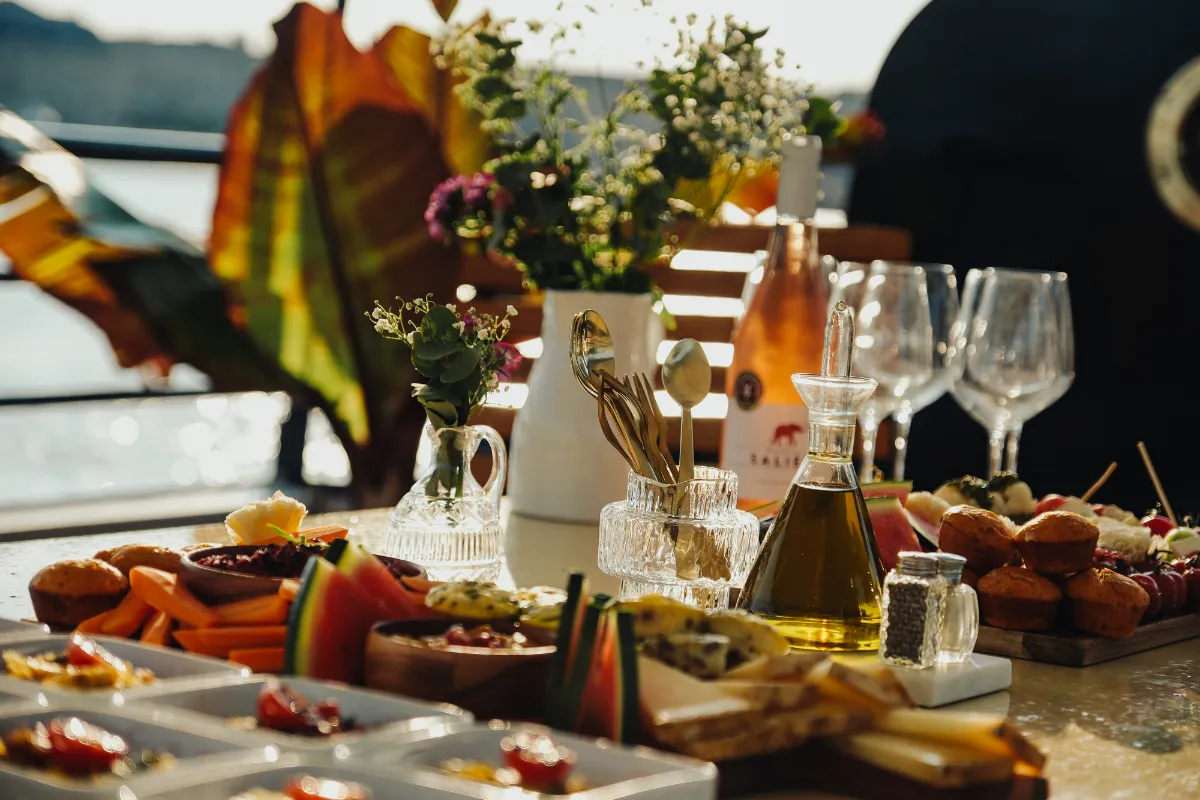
<point>475,189</point>
<point>510,358</point>
<point>468,322</point>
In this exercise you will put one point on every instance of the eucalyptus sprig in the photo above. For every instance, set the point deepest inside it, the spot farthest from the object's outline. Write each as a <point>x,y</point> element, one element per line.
<point>462,357</point>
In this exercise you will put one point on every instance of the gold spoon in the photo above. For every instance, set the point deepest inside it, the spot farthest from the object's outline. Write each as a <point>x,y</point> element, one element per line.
<point>687,377</point>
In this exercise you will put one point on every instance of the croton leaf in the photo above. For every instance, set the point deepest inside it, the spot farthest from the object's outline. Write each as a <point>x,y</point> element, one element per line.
<point>464,144</point>
<point>328,168</point>
<point>150,292</point>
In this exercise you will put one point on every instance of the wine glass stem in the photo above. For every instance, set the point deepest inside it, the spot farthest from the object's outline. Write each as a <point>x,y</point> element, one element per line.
<point>1010,448</point>
<point>902,419</point>
<point>869,425</point>
<point>996,451</point>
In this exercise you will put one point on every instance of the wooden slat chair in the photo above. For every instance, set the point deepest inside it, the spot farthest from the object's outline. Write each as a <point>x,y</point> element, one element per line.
<point>686,279</point>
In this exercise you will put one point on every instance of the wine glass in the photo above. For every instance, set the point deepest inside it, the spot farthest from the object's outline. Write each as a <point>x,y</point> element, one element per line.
<point>1012,352</point>
<point>942,288</point>
<point>893,340</point>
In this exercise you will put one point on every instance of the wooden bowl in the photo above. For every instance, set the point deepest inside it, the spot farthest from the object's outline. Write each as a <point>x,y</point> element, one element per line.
<point>491,684</point>
<point>216,586</point>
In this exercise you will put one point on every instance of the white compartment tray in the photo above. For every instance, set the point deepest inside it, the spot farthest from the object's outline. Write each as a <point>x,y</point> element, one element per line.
<point>202,749</point>
<point>170,666</point>
<point>613,772</point>
<point>383,715</point>
<point>383,785</point>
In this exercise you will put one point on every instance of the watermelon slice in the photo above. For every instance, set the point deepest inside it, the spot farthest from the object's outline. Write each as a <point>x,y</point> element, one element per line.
<point>624,702</point>
<point>371,576</point>
<point>893,533</point>
<point>926,531</point>
<point>565,707</point>
<point>898,489</point>
<point>570,624</point>
<point>328,625</point>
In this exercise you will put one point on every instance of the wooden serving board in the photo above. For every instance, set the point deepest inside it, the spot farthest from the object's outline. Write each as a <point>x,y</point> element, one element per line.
<point>1083,650</point>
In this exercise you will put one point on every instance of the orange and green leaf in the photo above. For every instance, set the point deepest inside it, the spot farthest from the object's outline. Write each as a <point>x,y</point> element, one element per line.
<point>464,144</point>
<point>328,169</point>
<point>149,291</point>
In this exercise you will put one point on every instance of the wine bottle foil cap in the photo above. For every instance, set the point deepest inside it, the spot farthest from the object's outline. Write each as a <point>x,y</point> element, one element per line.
<point>799,169</point>
<point>950,566</point>
<point>916,563</point>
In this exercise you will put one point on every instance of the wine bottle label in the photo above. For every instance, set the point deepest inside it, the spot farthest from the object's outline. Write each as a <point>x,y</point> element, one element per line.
<point>764,446</point>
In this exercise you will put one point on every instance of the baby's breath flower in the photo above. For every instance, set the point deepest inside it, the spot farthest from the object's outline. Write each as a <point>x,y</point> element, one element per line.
<point>510,311</point>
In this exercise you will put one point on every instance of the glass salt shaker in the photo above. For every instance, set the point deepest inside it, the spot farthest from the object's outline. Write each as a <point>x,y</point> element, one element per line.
<point>961,625</point>
<point>913,609</point>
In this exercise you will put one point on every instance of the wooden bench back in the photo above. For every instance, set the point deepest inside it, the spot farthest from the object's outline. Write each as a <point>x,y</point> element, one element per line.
<point>496,287</point>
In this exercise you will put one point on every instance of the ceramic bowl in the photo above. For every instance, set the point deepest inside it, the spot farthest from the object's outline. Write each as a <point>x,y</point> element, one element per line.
<point>509,684</point>
<point>217,586</point>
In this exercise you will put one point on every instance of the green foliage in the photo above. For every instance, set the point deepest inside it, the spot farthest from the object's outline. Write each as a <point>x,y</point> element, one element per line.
<point>593,215</point>
<point>462,358</point>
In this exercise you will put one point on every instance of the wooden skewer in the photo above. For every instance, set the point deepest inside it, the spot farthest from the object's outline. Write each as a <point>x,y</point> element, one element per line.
<point>1162,496</point>
<point>1103,479</point>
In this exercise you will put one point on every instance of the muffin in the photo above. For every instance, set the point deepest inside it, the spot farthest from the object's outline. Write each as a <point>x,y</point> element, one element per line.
<point>1106,603</point>
<point>1018,599</point>
<point>979,536</point>
<point>129,556</point>
<point>1057,543</point>
<point>66,593</point>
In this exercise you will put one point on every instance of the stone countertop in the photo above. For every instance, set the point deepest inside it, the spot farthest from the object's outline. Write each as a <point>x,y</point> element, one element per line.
<point>1128,728</point>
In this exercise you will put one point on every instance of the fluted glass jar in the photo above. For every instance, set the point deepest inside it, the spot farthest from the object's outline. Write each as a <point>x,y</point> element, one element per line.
<point>960,626</point>
<point>687,541</point>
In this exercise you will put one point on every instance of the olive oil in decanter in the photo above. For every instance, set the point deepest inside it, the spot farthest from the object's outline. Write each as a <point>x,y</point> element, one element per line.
<point>818,575</point>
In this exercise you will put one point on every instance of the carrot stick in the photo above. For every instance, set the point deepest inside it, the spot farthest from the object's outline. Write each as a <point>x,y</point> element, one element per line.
<point>268,610</point>
<point>259,659</point>
<point>190,641</point>
<point>289,589</point>
<point>92,624</point>
<point>127,617</point>
<point>158,629</point>
<point>165,592</point>
<point>220,641</point>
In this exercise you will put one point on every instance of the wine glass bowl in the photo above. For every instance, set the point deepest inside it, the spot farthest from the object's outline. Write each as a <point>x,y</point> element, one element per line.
<point>895,343</point>
<point>1013,351</point>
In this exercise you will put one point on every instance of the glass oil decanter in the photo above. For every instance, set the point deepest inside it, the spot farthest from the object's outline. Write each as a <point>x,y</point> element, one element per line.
<point>818,576</point>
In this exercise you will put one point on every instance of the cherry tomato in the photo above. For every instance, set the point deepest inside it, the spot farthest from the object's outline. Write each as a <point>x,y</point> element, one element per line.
<point>1158,525</point>
<point>310,788</point>
<point>1098,509</point>
<point>1156,601</point>
<point>1051,502</point>
<point>275,711</point>
<point>537,759</point>
<point>80,748</point>
<point>85,652</point>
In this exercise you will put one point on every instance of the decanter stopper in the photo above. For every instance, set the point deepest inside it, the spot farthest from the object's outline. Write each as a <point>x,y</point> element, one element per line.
<point>839,342</point>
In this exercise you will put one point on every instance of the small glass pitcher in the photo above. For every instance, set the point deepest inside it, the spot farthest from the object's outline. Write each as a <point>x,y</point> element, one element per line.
<point>687,541</point>
<point>447,522</point>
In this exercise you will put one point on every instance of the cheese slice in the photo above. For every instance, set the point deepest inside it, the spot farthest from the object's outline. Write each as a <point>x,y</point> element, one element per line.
<point>677,706</point>
<point>778,731</point>
<point>935,764</point>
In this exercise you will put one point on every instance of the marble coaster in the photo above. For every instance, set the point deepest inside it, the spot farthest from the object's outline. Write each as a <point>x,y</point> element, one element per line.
<point>949,683</point>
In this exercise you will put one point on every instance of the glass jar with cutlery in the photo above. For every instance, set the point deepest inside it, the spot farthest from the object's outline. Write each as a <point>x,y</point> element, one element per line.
<point>678,532</point>
<point>684,540</point>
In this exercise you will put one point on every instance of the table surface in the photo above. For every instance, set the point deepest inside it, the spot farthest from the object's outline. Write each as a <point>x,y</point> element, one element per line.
<point>1128,728</point>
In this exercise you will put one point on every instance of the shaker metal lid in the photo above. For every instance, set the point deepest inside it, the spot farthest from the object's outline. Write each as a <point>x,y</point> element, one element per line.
<point>950,565</point>
<point>914,562</point>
